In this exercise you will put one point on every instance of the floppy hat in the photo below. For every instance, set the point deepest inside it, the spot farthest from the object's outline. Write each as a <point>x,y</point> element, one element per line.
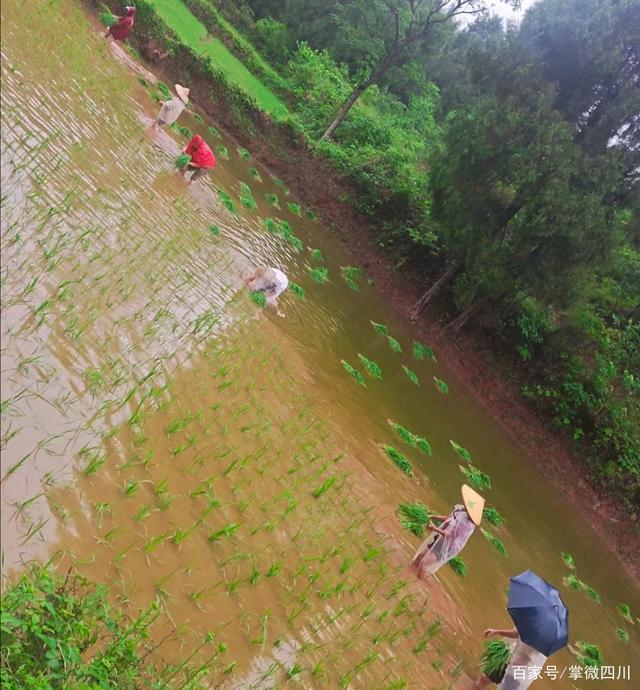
<point>473,502</point>
<point>183,93</point>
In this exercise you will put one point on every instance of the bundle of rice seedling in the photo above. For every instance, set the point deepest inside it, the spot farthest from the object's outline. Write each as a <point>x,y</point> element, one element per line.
<point>294,208</point>
<point>493,516</point>
<point>496,543</point>
<point>270,225</point>
<point>459,566</point>
<point>164,90</point>
<point>399,460</point>
<point>411,375</point>
<point>622,634</point>
<point>372,367</point>
<point>319,275</point>
<point>462,452</point>
<point>441,385</point>
<point>380,328</point>
<point>568,560</point>
<point>479,480</point>
<point>495,659</point>
<point>222,151</point>
<point>107,17</point>
<point>297,290</point>
<point>214,230</point>
<point>625,611</point>
<point>182,161</point>
<point>421,351</point>
<point>243,153</point>
<point>588,654</point>
<point>259,298</point>
<point>354,372</point>
<point>394,344</point>
<point>414,517</point>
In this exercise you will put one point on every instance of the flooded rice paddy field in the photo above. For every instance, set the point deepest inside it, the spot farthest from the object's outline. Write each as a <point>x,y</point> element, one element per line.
<point>166,435</point>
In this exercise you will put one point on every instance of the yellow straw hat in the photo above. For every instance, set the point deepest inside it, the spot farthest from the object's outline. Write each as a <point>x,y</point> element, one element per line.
<point>183,93</point>
<point>473,502</point>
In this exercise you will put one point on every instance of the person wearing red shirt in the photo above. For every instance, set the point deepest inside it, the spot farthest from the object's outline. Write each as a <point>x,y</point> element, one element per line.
<point>202,158</point>
<point>123,27</point>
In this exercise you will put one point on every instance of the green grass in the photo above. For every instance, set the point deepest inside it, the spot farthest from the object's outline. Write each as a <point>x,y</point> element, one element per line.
<point>193,33</point>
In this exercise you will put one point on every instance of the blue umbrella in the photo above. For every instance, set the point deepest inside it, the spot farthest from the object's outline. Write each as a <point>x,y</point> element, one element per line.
<point>540,616</point>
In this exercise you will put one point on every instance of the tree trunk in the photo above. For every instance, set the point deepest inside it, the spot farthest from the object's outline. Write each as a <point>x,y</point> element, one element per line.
<point>463,317</point>
<point>432,291</point>
<point>345,108</point>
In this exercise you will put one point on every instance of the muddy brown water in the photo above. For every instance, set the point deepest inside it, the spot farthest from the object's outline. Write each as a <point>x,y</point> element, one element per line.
<point>166,435</point>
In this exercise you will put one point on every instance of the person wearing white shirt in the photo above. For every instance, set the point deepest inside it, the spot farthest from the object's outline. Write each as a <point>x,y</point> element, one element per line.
<point>171,110</point>
<point>270,281</point>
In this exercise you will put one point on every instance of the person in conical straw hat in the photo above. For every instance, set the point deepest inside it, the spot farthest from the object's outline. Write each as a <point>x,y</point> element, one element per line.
<point>448,539</point>
<point>171,110</point>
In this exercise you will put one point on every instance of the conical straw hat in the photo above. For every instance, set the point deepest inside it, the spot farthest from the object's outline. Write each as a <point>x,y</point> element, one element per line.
<point>183,93</point>
<point>473,502</point>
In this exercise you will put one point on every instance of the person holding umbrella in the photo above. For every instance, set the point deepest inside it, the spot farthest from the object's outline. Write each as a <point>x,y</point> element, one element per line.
<point>541,628</point>
<point>448,540</point>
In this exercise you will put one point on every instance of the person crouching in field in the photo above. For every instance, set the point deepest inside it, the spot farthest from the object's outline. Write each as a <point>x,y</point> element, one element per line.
<point>171,110</point>
<point>202,158</point>
<point>270,281</point>
<point>448,540</point>
<point>122,28</point>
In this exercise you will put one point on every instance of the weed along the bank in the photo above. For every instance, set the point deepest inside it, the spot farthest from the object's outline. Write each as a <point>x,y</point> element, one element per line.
<point>229,459</point>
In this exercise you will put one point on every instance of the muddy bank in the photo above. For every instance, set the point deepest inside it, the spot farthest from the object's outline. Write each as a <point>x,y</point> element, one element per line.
<point>283,150</point>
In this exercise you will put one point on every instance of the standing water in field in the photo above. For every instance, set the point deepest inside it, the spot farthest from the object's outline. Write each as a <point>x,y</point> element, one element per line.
<point>166,434</point>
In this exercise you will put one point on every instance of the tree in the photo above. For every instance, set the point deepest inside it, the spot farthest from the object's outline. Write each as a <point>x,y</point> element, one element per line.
<point>520,205</point>
<point>390,28</point>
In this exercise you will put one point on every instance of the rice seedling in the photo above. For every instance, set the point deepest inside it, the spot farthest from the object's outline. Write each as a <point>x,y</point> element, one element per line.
<point>372,367</point>
<point>398,459</point>
<point>430,632</point>
<point>277,181</point>
<point>394,344</point>
<point>622,635</point>
<point>246,196</point>
<point>270,225</point>
<point>421,351</point>
<point>259,298</point>
<point>411,375</point>
<point>130,488</point>
<point>274,569</point>
<point>255,174</point>
<point>494,659</point>
<point>319,275</point>
<point>412,439</point>
<point>414,517</point>
<point>311,215</point>
<point>478,479</point>
<point>227,201</point>
<point>572,582</point>
<point>182,161</point>
<point>227,531</point>
<point>567,559</point>
<point>461,451</point>
<point>324,487</point>
<point>380,328</point>
<point>96,460</point>
<point>491,515</point>
<point>272,200</point>
<point>152,543</point>
<point>214,230</point>
<point>589,591</point>
<point>185,131</point>
<point>441,385</point>
<point>107,17</point>
<point>354,372</point>
<point>164,90</point>
<point>350,275</point>
<point>588,654</point>
<point>222,151</point>
<point>495,542</point>
<point>458,566</point>
<point>297,290</point>
<point>243,153</point>
<point>197,117</point>
<point>625,611</point>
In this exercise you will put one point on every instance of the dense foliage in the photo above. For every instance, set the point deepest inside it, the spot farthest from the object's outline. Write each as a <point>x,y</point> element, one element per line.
<point>62,632</point>
<point>499,165</point>
<point>502,164</point>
